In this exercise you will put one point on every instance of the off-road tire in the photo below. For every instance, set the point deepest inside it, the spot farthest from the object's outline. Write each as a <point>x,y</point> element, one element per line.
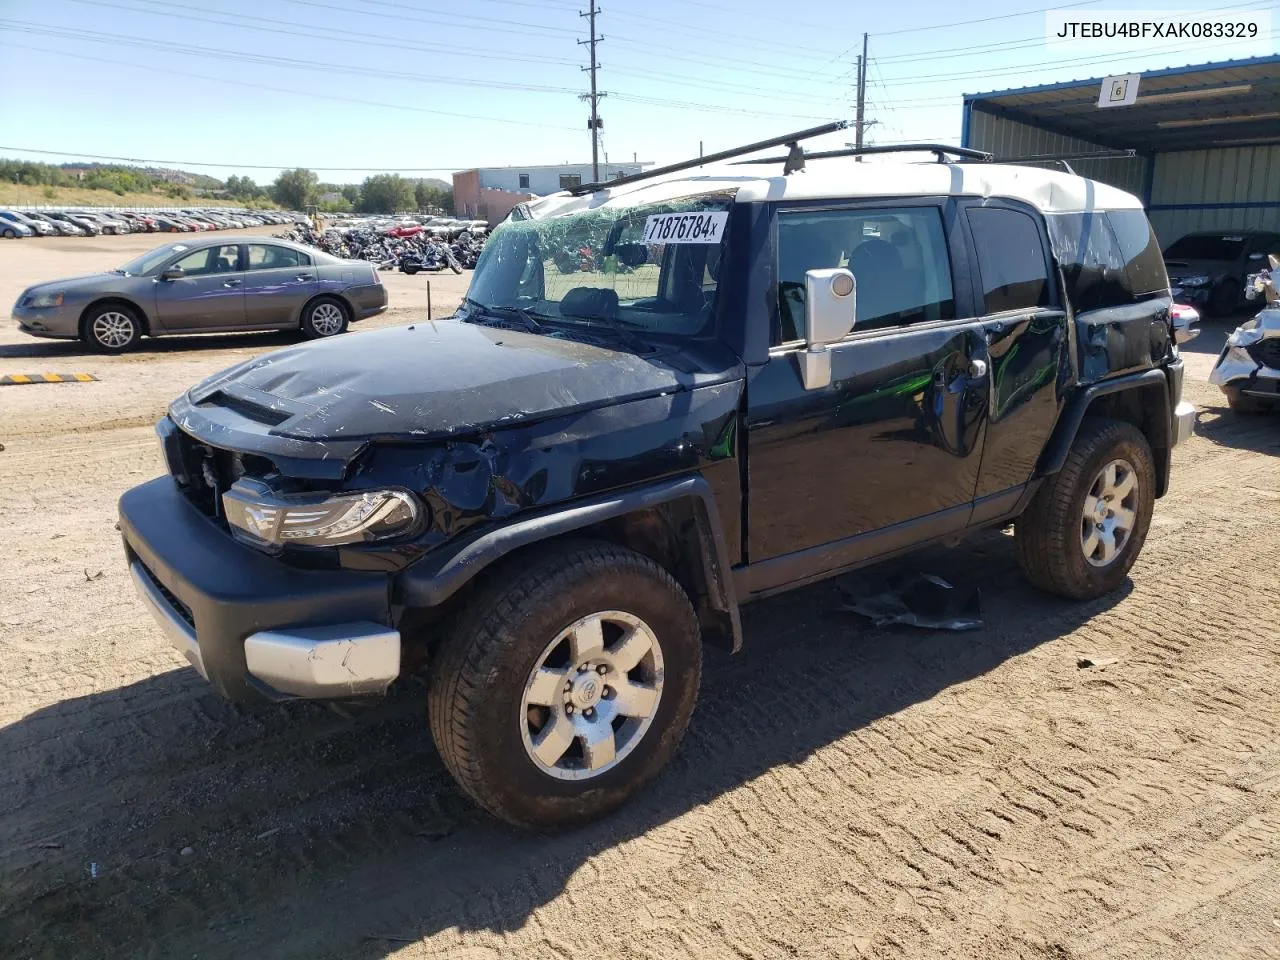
<point>1239,403</point>
<point>1048,533</point>
<point>479,673</point>
<point>319,311</point>
<point>96,334</point>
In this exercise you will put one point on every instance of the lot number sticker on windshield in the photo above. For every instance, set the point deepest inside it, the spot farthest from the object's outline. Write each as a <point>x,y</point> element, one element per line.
<point>685,227</point>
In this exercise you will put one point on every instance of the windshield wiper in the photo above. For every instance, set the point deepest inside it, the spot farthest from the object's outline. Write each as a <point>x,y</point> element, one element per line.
<point>524,314</point>
<point>632,340</point>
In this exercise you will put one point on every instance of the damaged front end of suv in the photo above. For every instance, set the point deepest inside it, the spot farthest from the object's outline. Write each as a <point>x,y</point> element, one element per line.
<point>1248,368</point>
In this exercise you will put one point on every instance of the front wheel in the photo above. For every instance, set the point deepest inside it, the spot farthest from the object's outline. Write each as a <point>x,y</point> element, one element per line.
<point>454,265</point>
<point>1087,523</point>
<point>112,328</point>
<point>566,684</point>
<point>324,317</point>
<point>10,234</point>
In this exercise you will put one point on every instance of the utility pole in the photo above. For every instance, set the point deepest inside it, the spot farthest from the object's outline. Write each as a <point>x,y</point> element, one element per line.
<point>594,123</point>
<point>859,123</point>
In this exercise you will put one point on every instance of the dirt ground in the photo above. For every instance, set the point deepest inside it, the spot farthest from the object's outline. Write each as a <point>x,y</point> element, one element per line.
<point>842,791</point>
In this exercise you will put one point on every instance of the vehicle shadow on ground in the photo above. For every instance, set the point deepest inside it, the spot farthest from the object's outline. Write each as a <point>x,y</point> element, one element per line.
<point>157,820</point>
<point>53,349</point>
<point>1259,432</point>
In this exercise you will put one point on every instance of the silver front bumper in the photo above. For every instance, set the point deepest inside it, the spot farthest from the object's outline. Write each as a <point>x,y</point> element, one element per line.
<point>333,661</point>
<point>337,660</point>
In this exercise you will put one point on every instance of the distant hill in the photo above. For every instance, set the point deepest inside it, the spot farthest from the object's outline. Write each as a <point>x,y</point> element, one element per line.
<point>167,174</point>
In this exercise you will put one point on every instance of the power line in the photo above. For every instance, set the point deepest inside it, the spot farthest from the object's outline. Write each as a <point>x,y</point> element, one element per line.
<point>301,93</point>
<point>1043,65</point>
<point>115,39</point>
<point>487,27</point>
<point>292,31</point>
<point>1002,16</point>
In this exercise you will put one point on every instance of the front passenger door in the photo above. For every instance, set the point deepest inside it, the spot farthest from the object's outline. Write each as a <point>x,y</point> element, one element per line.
<point>278,281</point>
<point>210,295</point>
<point>887,455</point>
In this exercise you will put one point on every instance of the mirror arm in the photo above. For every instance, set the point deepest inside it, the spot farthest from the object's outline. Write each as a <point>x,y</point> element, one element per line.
<point>815,366</point>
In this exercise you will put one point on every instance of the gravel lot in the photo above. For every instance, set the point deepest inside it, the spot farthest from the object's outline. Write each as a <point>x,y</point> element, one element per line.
<point>842,792</point>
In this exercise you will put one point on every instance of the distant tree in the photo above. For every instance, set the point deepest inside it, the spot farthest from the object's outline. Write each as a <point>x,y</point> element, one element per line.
<point>242,188</point>
<point>430,197</point>
<point>294,189</point>
<point>385,193</point>
<point>352,192</point>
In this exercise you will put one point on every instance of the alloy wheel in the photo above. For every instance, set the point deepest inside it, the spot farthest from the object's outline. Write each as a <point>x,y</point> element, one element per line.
<point>592,695</point>
<point>1110,513</point>
<point>326,319</point>
<point>113,329</point>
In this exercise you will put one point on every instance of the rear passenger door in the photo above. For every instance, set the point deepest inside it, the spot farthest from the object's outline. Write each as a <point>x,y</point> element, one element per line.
<point>278,281</point>
<point>1024,327</point>
<point>887,455</point>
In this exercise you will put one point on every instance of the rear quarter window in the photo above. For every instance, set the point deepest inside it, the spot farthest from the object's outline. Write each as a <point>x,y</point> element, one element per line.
<point>1143,261</point>
<point>1093,267</point>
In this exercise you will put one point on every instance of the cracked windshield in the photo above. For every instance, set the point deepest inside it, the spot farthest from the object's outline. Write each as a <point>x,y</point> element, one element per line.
<point>649,268</point>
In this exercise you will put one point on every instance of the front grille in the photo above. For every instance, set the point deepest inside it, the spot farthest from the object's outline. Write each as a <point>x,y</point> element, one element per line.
<point>180,608</point>
<point>1267,352</point>
<point>206,472</point>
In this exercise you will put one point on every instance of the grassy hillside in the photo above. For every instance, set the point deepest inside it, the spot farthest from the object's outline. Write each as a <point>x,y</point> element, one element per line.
<point>23,195</point>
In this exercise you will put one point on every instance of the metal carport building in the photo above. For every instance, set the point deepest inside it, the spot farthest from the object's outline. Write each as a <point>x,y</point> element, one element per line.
<point>1207,139</point>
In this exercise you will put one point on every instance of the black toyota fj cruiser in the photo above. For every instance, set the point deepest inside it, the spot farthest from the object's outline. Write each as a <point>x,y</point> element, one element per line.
<point>754,381</point>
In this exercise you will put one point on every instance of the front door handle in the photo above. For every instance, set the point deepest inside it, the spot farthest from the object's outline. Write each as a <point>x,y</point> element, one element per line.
<point>977,369</point>
<point>304,276</point>
<point>231,283</point>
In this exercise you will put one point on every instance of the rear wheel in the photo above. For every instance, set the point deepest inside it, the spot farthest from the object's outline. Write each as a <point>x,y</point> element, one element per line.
<point>567,683</point>
<point>112,328</point>
<point>324,317</point>
<point>1087,523</point>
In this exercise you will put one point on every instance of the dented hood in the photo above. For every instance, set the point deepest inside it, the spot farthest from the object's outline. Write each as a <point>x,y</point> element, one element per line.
<point>431,381</point>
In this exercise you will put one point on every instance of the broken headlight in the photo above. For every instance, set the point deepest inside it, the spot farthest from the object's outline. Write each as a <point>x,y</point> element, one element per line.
<point>263,518</point>
<point>1246,336</point>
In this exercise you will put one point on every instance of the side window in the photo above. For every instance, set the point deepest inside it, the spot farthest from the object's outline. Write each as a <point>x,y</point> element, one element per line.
<point>524,181</point>
<point>1141,251</point>
<point>1092,266</point>
<point>1011,260</point>
<point>569,180</point>
<point>897,255</point>
<point>268,256</point>
<point>225,259</point>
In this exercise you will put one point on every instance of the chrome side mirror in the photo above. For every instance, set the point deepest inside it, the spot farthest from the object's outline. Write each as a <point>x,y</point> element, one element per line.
<point>830,298</point>
<point>173,273</point>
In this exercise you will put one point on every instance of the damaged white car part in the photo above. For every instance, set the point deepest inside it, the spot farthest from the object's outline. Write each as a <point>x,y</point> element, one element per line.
<point>1248,369</point>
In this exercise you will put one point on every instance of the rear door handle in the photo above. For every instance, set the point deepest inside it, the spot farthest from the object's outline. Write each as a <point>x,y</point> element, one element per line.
<point>977,369</point>
<point>304,276</point>
<point>232,283</point>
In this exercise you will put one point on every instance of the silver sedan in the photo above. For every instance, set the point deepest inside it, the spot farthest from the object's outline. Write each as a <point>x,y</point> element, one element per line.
<point>206,286</point>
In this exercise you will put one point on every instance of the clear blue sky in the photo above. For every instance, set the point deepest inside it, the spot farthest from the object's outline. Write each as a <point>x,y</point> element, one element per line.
<point>397,85</point>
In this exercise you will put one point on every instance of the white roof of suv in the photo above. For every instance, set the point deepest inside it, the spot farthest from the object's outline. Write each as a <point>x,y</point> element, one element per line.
<point>1047,190</point>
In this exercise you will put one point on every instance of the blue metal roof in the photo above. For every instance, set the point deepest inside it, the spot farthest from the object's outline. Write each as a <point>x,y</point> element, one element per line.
<point>1182,122</point>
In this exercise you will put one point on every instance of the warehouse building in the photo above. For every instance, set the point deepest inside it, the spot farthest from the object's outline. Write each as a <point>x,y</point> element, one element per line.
<point>491,192</point>
<point>1206,137</point>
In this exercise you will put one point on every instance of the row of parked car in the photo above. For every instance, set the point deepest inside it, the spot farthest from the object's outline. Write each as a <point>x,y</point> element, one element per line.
<point>80,223</point>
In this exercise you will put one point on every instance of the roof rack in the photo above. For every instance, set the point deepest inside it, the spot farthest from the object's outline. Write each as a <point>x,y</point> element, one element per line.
<point>794,160</point>
<point>940,150</point>
<point>1062,158</point>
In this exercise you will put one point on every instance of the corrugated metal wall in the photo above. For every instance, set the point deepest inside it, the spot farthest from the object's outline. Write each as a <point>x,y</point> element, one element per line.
<point>1186,187</point>
<point>1195,180</point>
<point>1008,138</point>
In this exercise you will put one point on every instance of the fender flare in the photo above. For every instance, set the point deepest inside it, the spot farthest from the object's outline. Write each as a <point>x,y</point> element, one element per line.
<point>436,578</point>
<point>1155,382</point>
